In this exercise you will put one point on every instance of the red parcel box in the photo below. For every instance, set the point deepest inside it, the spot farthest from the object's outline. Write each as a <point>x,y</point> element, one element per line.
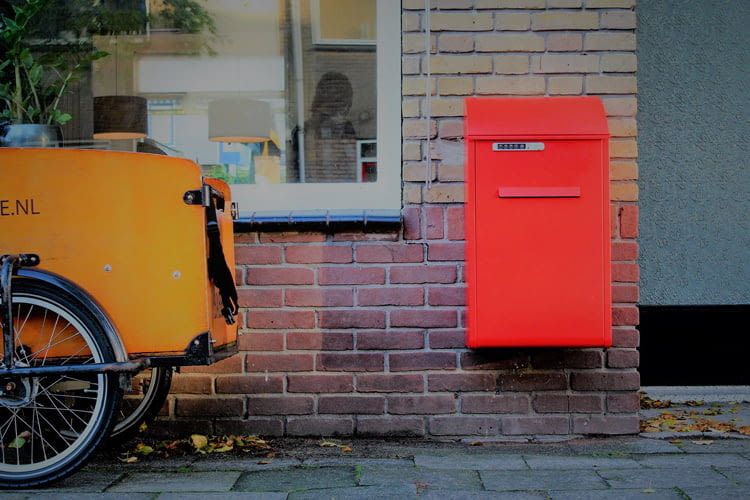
<point>537,222</point>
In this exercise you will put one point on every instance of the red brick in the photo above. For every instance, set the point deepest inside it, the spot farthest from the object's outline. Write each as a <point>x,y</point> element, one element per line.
<point>622,358</point>
<point>390,339</point>
<point>605,381</point>
<point>212,407</point>
<point>625,272</point>
<point>423,274</point>
<point>191,384</point>
<point>530,381</point>
<point>390,296</point>
<point>424,318</point>
<point>421,405</point>
<point>320,341</point>
<point>625,293</point>
<point>279,276</point>
<point>412,223</point>
<point>455,216</point>
<point>350,362</point>
<point>280,319</point>
<point>446,251</point>
<point>257,254</point>
<point>412,361</point>
<point>273,426</point>
<point>377,382</point>
<point>368,405</point>
<point>605,424</point>
<point>550,403</point>
<point>259,297</point>
<point>320,383</point>
<point>318,254</point>
<point>447,339</point>
<point>398,252</point>
<point>319,297</point>
<point>624,250</point>
<point>549,359</point>
<point>351,318</point>
<point>249,384</point>
<point>390,426</point>
<point>351,275</point>
<point>624,403</point>
<point>320,426</point>
<point>245,238</point>
<point>446,296</point>
<point>292,237</point>
<point>494,359</point>
<point>229,365</point>
<point>548,424</point>
<point>629,221</point>
<point>586,403</point>
<point>433,223</point>
<point>359,236</point>
<point>280,405</point>
<point>464,426</point>
<point>625,315</point>
<point>279,362</point>
<point>439,382</point>
<point>261,341</point>
<point>491,403</point>
<point>625,337</point>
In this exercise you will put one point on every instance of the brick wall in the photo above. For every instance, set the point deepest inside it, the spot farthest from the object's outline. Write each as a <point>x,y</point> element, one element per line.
<point>362,333</point>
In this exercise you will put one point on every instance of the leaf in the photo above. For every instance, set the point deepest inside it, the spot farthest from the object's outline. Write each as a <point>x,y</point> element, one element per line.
<point>703,442</point>
<point>328,444</point>
<point>648,490</point>
<point>744,430</point>
<point>143,449</point>
<point>199,441</point>
<point>346,449</point>
<point>20,440</point>
<point>222,449</point>
<point>143,427</point>
<point>128,460</point>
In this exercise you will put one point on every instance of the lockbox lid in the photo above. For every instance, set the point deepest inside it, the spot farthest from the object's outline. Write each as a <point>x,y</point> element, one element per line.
<point>535,116</point>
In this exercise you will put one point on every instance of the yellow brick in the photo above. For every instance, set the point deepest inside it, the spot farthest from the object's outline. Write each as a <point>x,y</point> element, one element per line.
<point>623,170</point>
<point>565,63</point>
<point>619,63</point>
<point>451,129</point>
<point>410,65</point>
<point>448,173</point>
<point>623,191</point>
<point>460,21</point>
<point>412,4</point>
<point>461,64</point>
<point>516,21</point>
<point>565,85</point>
<point>618,20</point>
<point>506,42</point>
<point>622,127</point>
<point>414,43</point>
<point>447,107</point>
<point>445,193</point>
<point>412,151</point>
<point>410,21</point>
<point>455,43</point>
<point>417,128</point>
<point>415,172</point>
<point>511,65</point>
<point>561,20</point>
<point>416,86</point>
<point>620,106</point>
<point>456,86</point>
<point>564,42</point>
<point>610,4</point>
<point>623,148</point>
<point>452,4</point>
<point>597,84</point>
<point>510,85</point>
<point>609,41</point>
<point>412,193</point>
<point>410,108</point>
<point>510,4</point>
<point>564,4</point>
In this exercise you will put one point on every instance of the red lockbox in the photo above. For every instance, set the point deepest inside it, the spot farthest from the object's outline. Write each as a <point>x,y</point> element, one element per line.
<point>537,222</point>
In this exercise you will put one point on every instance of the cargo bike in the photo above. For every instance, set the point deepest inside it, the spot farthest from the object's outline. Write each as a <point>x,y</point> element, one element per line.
<point>114,269</point>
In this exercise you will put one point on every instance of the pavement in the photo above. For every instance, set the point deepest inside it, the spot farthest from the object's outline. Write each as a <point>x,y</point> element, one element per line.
<point>692,464</point>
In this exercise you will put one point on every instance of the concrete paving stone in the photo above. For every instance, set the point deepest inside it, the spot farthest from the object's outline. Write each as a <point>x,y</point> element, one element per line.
<point>297,479</point>
<point>92,496</point>
<point>542,480</point>
<point>355,461</point>
<point>176,482</point>
<point>422,477</point>
<point>724,493</point>
<point>740,446</point>
<point>579,462</point>
<point>223,496</point>
<point>14,496</point>
<point>737,475</point>
<point>395,492</point>
<point>483,495</point>
<point>240,464</point>
<point>619,447</point>
<point>619,494</point>
<point>84,481</point>
<point>144,465</point>
<point>663,478</point>
<point>471,462</point>
<point>693,460</point>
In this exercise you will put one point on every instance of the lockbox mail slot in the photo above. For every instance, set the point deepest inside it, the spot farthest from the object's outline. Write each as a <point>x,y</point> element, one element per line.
<point>537,222</point>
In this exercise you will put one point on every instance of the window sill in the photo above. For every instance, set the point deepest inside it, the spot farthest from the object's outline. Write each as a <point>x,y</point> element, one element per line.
<point>319,220</point>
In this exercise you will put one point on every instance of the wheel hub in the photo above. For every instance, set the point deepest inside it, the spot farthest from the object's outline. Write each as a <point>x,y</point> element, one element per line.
<point>16,392</point>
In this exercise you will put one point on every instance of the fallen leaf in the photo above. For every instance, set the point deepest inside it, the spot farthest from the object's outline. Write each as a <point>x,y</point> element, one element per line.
<point>703,442</point>
<point>129,460</point>
<point>199,441</point>
<point>328,444</point>
<point>476,443</point>
<point>143,449</point>
<point>20,440</point>
<point>744,430</point>
<point>143,427</point>
<point>264,462</point>
<point>345,449</point>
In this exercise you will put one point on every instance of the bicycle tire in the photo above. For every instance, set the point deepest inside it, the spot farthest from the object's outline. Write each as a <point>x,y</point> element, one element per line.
<point>130,419</point>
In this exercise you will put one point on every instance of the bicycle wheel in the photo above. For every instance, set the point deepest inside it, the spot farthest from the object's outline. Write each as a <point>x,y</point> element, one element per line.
<point>142,403</point>
<point>50,425</point>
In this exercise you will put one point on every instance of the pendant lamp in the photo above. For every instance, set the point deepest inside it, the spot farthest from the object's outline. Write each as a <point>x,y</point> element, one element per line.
<point>118,117</point>
<point>239,120</point>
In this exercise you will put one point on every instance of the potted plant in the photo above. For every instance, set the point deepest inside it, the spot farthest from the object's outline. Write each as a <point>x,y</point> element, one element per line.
<point>34,77</point>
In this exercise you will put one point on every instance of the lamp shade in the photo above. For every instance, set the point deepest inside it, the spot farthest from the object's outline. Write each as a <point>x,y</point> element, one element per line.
<point>120,117</point>
<point>239,120</point>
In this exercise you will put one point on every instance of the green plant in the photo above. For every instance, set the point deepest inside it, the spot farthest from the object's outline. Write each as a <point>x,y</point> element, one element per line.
<point>186,16</point>
<point>33,76</point>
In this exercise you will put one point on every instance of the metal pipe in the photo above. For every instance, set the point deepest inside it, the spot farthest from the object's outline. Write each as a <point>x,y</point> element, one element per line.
<point>40,371</point>
<point>6,312</point>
